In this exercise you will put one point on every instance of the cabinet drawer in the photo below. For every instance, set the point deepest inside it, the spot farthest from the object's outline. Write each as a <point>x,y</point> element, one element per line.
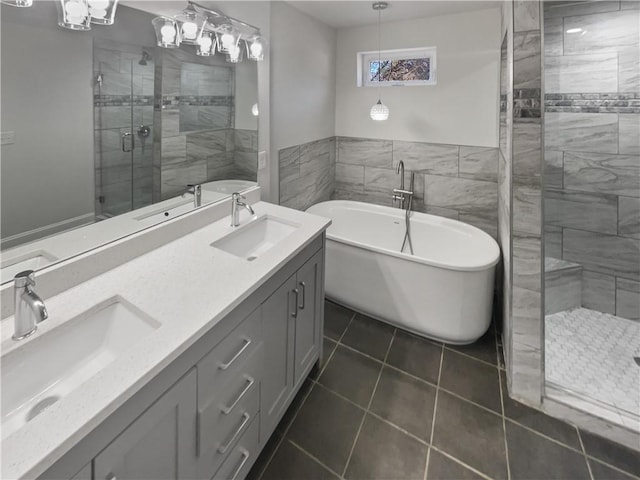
<point>241,458</point>
<point>223,420</point>
<point>224,361</point>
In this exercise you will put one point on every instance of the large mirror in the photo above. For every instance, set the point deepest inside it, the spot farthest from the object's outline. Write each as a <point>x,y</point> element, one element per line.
<point>102,132</point>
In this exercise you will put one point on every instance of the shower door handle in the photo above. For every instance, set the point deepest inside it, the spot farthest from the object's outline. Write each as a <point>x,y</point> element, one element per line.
<point>124,142</point>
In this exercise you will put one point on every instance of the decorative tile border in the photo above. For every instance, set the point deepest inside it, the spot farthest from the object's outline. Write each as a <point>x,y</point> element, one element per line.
<point>592,102</point>
<point>122,100</point>
<point>526,103</point>
<point>198,100</point>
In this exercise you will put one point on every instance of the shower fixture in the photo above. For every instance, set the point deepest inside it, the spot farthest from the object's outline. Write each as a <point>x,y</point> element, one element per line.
<point>145,57</point>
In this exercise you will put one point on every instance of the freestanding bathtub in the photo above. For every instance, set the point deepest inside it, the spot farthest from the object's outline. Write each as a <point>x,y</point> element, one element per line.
<point>444,291</point>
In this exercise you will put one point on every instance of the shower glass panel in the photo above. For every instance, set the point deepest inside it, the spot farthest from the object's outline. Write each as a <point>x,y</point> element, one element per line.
<point>123,107</point>
<point>592,207</point>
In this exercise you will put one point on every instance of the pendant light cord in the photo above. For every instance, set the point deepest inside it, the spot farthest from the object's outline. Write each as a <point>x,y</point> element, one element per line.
<point>379,62</point>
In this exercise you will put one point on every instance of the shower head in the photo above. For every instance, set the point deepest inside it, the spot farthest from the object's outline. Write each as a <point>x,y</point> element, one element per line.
<point>145,57</point>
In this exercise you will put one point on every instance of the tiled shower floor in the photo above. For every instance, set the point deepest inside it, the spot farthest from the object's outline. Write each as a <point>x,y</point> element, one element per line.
<point>591,354</point>
<point>389,405</point>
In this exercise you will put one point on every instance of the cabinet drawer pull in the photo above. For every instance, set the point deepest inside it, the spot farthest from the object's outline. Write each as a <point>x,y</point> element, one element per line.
<point>227,410</point>
<point>224,366</point>
<point>111,476</point>
<point>243,460</point>
<point>223,448</point>
<point>294,314</point>
<point>304,294</point>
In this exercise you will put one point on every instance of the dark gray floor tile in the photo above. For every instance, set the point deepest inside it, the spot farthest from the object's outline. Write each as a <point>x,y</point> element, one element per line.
<point>265,456</point>
<point>443,468</point>
<point>405,401</point>
<point>416,356</point>
<point>326,427</point>
<point>471,434</point>
<point>384,452</point>
<point>291,463</point>
<point>352,375</point>
<point>296,403</point>
<point>612,453</point>
<point>501,363</point>
<point>471,379</point>
<point>328,346</point>
<point>532,456</point>
<point>336,319</point>
<point>536,420</point>
<point>601,471</point>
<point>483,349</point>
<point>369,336</point>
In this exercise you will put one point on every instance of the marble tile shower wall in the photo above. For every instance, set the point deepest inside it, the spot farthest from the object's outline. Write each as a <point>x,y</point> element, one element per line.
<point>125,98</point>
<point>454,181</point>
<point>592,149</point>
<point>216,150</point>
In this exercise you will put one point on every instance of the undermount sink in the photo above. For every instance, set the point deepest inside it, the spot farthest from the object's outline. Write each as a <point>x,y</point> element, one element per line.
<point>162,214</point>
<point>255,238</point>
<point>29,261</point>
<point>51,366</point>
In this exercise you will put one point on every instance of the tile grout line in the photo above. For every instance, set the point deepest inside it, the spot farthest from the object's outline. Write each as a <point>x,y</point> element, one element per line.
<point>355,440</point>
<point>315,459</point>
<point>459,462</point>
<point>286,430</point>
<point>433,418</point>
<point>504,418</point>
<point>584,453</point>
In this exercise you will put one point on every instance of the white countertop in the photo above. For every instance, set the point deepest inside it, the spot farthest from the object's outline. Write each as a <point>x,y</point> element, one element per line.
<point>186,285</point>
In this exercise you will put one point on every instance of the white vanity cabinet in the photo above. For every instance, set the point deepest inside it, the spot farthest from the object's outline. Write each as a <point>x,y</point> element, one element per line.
<point>209,413</point>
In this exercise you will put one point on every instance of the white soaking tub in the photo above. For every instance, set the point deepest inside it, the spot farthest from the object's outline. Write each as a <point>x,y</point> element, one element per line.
<point>444,291</point>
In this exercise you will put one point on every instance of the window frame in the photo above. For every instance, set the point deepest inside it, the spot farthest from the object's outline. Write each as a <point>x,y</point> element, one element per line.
<point>364,59</point>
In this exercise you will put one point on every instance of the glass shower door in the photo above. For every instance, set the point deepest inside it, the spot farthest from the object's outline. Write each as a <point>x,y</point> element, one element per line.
<point>123,110</point>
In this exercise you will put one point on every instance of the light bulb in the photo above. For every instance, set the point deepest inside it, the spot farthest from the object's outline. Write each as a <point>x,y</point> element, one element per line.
<point>205,42</point>
<point>254,110</point>
<point>168,33</point>
<point>99,4</point>
<point>227,41</point>
<point>379,112</point>
<point>76,9</point>
<point>234,52</point>
<point>189,30</point>
<point>256,49</point>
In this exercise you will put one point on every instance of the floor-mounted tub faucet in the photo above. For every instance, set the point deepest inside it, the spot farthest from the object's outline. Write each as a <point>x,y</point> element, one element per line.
<point>29,307</point>
<point>400,194</point>
<point>196,191</point>
<point>235,211</point>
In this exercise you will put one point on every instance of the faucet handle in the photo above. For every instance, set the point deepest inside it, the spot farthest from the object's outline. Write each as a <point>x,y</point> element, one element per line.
<point>24,279</point>
<point>237,196</point>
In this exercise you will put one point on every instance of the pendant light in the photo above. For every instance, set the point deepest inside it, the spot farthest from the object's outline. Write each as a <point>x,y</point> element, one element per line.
<point>379,111</point>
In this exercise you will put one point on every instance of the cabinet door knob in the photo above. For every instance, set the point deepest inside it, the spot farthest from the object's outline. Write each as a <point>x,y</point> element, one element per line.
<point>111,476</point>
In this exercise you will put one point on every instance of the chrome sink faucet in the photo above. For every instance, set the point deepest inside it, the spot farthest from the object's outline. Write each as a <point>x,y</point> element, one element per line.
<point>29,308</point>
<point>196,191</point>
<point>235,211</point>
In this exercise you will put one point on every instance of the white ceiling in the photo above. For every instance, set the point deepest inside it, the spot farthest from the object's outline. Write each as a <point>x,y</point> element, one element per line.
<point>351,13</point>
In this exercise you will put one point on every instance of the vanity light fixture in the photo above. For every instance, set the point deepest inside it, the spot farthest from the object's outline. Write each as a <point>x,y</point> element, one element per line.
<point>379,111</point>
<point>103,12</point>
<point>167,32</point>
<point>210,32</point>
<point>191,24</point>
<point>206,44</point>
<point>17,3</point>
<point>74,14</point>
<point>256,46</point>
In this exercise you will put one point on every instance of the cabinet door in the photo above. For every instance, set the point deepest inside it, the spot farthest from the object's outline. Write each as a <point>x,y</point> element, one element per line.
<point>160,444</point>
<point>277,383</point>
<point>307,341</point>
